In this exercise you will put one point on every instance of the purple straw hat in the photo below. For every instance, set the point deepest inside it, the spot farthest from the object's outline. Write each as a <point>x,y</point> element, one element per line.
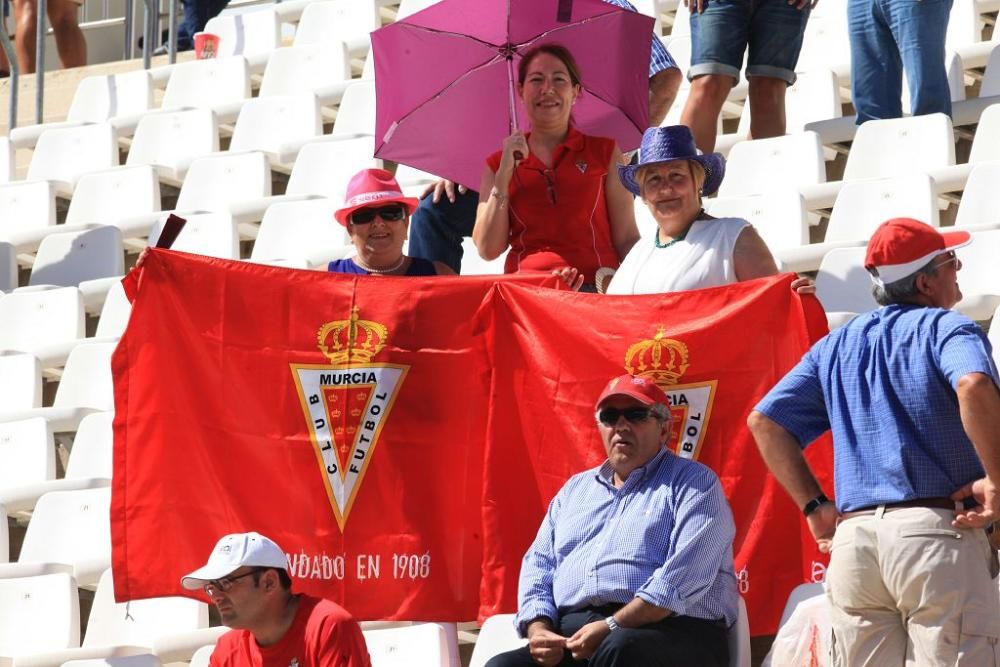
<point>666,144</point>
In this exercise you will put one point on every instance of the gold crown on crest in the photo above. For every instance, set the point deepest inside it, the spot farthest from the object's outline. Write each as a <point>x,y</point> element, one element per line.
<point>346,342</point>
<point>661,359</point>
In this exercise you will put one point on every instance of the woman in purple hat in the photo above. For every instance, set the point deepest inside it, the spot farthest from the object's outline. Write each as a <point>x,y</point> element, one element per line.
<point>376,215</point>
<point>691,249</point>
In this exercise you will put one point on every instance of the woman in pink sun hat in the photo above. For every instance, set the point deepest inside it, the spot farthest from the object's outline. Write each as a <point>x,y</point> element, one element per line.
<point>377,215</point>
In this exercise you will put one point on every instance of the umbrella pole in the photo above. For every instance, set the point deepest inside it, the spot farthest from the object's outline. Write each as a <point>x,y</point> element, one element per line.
<point>512,110</point>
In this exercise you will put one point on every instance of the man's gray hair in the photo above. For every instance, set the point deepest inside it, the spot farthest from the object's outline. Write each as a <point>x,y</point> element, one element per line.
<point>660,411</point>
<point>903,290</point>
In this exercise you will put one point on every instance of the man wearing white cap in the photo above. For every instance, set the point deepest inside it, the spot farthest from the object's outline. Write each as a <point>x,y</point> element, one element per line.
<point>246,577</point>
<point>910,394</point>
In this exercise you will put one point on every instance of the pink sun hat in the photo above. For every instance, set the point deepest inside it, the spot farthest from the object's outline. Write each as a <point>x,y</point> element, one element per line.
<point>901,246</point>
<point>373,187</point>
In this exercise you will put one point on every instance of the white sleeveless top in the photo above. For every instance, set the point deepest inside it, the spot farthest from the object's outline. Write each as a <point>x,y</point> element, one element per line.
<point>704,258</point>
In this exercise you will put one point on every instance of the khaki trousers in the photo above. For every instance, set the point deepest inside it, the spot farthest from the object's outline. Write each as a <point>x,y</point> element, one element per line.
<point>906,588</point>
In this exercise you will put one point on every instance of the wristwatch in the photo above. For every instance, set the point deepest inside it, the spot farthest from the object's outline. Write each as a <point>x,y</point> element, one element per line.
<point>813,504</point>
<point>612,623</point>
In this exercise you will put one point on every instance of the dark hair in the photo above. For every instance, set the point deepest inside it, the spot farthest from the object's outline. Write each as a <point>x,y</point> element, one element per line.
<point>903,290</point>
<point>557,50</point>
<point>283,578</point>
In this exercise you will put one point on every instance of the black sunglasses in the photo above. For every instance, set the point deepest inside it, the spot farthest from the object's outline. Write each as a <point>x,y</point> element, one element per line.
<point>224,584</point>
<point>392,213</point>
<point>610,416</point>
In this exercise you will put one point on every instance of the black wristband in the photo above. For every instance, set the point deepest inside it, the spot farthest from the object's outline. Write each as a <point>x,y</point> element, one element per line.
<point>813,504</point>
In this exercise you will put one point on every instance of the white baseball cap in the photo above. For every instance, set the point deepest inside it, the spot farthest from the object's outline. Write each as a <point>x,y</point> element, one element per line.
<point>233,552</point>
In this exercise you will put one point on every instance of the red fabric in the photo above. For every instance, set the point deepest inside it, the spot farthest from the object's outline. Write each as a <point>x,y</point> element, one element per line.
<point>574,229</point>
<point>492,411</point>
<point>740,339</point>
<point>322,634</point>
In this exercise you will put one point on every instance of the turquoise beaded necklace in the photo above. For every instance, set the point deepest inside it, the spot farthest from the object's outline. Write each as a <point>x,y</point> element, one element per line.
<point>656,239</point>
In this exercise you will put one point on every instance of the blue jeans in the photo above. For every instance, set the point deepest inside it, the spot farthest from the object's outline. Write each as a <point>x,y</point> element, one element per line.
<point>888,36</point>
<point>436,230</point>
<point>196,15</point>
<point>771,29</point>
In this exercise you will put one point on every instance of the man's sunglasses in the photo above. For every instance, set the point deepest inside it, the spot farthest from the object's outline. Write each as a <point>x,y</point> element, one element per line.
<point>363,216</point>
<point>610,416</point>
<point>224,584</point>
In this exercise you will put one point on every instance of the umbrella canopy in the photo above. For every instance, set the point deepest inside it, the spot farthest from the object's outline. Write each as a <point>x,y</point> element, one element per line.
<point>443,78</point>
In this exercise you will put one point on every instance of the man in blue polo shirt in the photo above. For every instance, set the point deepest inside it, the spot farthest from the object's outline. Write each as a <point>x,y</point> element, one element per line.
<point>910,394</point>
<point>633,562</point>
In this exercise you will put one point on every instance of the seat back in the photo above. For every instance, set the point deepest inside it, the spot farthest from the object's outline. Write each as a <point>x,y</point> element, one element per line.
<point>843,284</point>
<point>423,643</point>
<point>68,258</point>
<point>356,114</point>
<point>26,205</point>
<point>986,143</point>
<point>114,313</point>
<point>20,383</point>
<point>28,453</point>
<point>106,197</point>
<point>8,267</point>
<point>324,168</point>
<point>299,69</point>
<point>799,594</point>
<point>738,637</point>
<point>202,84</point>
<point>92,446</point>
<point>86,380</point>
<point>990,85</point>
<point>69,527</point>
<point>214,182</point>
<point>65,154</point>
<point>780,217</point>
<point>764,165</point>
<point>979,274</point>
<point>411,7</point>
<point>40,613</point>
<point>862,206</point>
<point>33,318</point>
<point>474,265</point>
<point>980,203</point>
<point>328,20</point>
<point>272,123</point>
<point>298,230</point>
<point>6,160</point>
<point>496,636</point>
<point>247,33</point>
<point>99,98</point>
<point>173,139</point>
<point>139,622</point>
<point>897,146</point>
<point>212,234</point>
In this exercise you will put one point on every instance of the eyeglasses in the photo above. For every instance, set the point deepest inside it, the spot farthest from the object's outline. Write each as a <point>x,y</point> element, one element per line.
<point>949,258</point>
<point>363,216</point>
<point>610,416</point>
<point>223,585</point>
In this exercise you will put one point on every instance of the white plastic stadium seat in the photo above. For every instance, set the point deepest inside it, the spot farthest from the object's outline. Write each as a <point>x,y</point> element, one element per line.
<point>474,265</point>
<point>496,636</point>
<point>8,267</point>
<point>765,165</point>
<point>33,318</point>
<point>63,155</point>
<point>202,656</point>
<point>779,217</point>
<point>420,644</point>
<point>843,285</point>
<point>979,277</point>
<point>322,69</point>
<point>985,148</point>
<point>980,203</point>
<point>410,7</point>
<point>39,613</point>
<point>89,464</point>
<point>799,594</point>
<point>20,382</point>
<point>85,387</point>
<point>69,258</point>
<point>126,631</point>
<point>253,34</point>
<point>169,141</point>
<point>26,207</point>
<point>350,21</point>
<point>138,660</point>
<point>212,234</point>
<point>278,125</point>
<point>97,99</point>
<point>220,84</point>
<point>356,114</point>
<point>69,528</point>
<point>6,160</point>
<point>990,84</point>
<point>303,232</point>
<point>738,637</point>
<point>216,182</point>
<point>28,453</point>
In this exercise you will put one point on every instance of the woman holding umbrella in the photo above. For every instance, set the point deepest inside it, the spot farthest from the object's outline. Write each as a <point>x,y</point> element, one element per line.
<point>553,195</point>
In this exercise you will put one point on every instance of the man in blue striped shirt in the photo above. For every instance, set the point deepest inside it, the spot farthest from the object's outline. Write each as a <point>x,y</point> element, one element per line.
<point>910,394</point>
<point>633,562</point>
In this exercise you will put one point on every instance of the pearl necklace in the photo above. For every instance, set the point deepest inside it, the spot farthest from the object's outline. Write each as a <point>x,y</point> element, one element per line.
<point>372,269</point>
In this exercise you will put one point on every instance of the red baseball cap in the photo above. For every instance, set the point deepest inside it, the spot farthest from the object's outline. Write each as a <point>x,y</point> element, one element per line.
<point>373,187</point>
<point>902,245</point>
<point>638,387</point>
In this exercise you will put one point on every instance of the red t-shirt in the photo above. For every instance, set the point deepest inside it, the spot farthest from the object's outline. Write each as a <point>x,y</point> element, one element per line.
<point>559,216</point>
<point>323,634</point>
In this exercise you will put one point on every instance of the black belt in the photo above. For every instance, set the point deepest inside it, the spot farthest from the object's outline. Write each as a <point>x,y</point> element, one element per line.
<point>930,503</point>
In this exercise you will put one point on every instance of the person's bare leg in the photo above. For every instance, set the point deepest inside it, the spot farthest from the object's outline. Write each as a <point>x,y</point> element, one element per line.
<point>767,107</point>
<point>662,90</point>
<point>24,45</point>
<point>63,17</point>
<point>704,104</point>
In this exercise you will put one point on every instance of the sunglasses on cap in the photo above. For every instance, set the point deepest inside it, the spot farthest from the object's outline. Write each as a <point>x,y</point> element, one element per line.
<point>391,213</point>
<point>610,416</point>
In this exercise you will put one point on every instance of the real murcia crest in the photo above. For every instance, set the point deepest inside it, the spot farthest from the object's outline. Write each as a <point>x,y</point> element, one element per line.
<point>347,403</point>
<point>665,360</point>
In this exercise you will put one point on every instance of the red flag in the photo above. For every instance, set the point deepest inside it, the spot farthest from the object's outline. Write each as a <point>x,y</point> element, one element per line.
<point>342,416</point>
<point>715,352</point>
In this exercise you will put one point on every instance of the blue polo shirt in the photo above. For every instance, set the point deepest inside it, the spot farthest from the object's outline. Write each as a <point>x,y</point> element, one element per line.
<point>885,385</point>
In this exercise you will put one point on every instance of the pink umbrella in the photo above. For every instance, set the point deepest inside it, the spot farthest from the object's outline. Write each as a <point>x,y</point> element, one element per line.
<point>444,77</point>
